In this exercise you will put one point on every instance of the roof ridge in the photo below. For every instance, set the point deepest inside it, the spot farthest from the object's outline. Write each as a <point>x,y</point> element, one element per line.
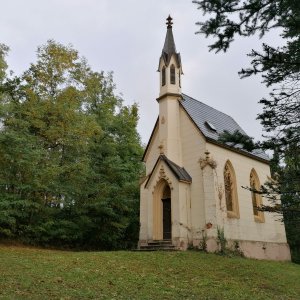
<point>201,113</point>
<point>216,110</point>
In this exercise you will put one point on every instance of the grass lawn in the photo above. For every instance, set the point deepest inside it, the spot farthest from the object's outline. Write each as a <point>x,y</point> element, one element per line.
<point>27,273</point>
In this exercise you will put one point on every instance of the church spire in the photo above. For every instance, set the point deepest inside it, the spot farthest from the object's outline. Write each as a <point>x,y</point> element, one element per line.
<point>170,64</point>
<point>169,48</point>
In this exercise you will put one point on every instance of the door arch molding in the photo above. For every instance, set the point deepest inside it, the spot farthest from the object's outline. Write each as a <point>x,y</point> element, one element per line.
<point>162,192</point>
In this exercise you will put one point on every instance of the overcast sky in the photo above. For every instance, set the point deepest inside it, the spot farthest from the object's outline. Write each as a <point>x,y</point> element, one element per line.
<point>127,37</point>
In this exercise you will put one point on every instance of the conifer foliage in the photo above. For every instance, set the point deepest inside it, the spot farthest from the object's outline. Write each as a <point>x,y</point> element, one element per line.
<point>69,155</point>
<point>237,138</point>
<point>279,67</point>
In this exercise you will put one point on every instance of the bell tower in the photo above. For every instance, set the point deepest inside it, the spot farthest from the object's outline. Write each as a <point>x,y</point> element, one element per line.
<point>170,70</point>
<point>170,65</point>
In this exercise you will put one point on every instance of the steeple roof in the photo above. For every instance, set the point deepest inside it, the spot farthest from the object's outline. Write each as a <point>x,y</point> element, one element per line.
<point>169,48</point>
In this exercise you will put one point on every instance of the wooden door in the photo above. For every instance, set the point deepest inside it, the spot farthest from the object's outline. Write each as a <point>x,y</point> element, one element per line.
<point>167,222</point>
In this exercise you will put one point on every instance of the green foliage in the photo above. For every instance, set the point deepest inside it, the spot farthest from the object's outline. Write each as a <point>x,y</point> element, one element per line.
<point>69,156</point>
<point>228,249</point>
<point>287,185</point>
<point>203,241</point>
<point>221,239</point>
<point>3,65</point>
<point>237,138</point>
<point>280,69</point>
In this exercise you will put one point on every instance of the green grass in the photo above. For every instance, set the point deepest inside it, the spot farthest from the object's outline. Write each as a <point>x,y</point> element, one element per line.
<point>27,273</point>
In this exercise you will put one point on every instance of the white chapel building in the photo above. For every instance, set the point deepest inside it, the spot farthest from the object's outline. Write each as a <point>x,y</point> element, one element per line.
<point>193,183</point>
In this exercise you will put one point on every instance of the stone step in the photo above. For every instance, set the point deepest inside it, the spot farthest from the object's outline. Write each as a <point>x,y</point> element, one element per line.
<point>160,242</point>
<point>156,249</point>
<point>158,245</point>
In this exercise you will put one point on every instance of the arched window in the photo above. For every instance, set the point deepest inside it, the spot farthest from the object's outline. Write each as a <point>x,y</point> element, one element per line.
<point>163,76</point>
<point>230,191</point>
<point>256,198</point>
<point>172,75</point>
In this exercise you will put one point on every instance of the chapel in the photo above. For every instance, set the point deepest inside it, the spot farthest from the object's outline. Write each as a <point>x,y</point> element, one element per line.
<point>193,188</point>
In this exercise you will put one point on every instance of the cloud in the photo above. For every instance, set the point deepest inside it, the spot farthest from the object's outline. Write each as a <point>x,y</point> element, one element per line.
<point>127,37</point>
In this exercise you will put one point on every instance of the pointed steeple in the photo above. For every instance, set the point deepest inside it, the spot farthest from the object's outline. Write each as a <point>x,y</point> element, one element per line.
<point>169,48</point>
<point>170,65</point>
<point>169,97</point>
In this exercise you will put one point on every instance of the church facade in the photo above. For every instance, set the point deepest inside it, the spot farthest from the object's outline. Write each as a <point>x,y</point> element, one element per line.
<point>193,187</point>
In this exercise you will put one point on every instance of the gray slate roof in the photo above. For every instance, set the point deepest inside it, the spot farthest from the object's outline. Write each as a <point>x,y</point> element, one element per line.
<point>169,45</point>
<point>169,49</point>
<point>180,173</point>
<point>212,122</point>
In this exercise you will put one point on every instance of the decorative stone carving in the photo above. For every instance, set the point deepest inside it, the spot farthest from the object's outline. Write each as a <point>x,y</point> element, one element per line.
<point>207,161</point>
<point>220,190</point>
<point>162,175</point>
<point>230,191</point>
<point>229,186</point>
<point>161,148</point>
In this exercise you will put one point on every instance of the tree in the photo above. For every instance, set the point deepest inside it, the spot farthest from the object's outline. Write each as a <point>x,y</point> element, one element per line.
<point>3,65</point>
<point>279,66</point>
<point>280,69</point>
<point>69,155</point>
<point>237,138</point>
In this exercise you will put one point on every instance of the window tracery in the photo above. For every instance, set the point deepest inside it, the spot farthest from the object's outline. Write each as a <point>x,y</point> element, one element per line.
<point>256,198</point>
<point>230,191</point>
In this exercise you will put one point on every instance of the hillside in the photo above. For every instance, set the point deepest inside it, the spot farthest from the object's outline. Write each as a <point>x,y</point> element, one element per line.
<point>27,273</point>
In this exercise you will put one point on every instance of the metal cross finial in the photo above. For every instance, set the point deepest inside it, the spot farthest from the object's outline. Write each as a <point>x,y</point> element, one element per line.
<point>169,22</point>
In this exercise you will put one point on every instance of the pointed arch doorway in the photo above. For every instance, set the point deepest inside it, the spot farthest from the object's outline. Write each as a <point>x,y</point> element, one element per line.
<point>162,212</point>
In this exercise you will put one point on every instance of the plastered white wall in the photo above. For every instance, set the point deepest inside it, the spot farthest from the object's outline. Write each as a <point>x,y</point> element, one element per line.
<point>245,227</point>
<point>193,146</point>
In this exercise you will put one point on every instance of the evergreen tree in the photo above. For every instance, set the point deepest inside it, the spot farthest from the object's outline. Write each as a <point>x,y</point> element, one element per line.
<point>237,138</point>
<point>280,69</point>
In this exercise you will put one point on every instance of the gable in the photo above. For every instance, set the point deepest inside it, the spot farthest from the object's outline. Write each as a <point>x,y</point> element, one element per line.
<point>179,172</point>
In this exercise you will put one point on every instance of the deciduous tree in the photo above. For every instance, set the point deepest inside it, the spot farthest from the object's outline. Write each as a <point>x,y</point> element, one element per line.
<point>69,155</point>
